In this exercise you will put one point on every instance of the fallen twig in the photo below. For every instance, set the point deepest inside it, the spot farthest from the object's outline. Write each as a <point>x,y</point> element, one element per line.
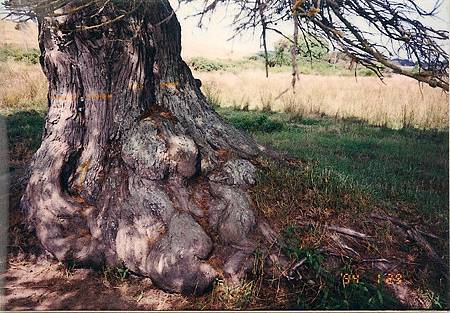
<point>343,245</point>
<point>298,264</point>
<point>428,234</point>
<point>417,237</point>
<point>414,234</point>
<point>350,232</point>
<point>342,230</point>
<point>399,222</point>
<point>288,272</point>
<point>394,220</point>
<point>375,260</point>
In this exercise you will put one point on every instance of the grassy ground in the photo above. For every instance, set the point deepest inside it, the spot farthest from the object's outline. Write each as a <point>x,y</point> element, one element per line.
<point>398,168</point>
<point>349,169</point>
<point>346,169</point>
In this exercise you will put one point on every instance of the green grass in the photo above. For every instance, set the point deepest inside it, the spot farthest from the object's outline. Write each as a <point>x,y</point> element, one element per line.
<point>404,170</point>
<point>24,130</point>
<point>348,170</point>
<point>10,52</point>
<point>256,121</point>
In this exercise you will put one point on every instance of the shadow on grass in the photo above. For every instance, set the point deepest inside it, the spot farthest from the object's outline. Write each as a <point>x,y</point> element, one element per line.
<point>25,126</point>
<point>24,132</point>
<point>24,129</point>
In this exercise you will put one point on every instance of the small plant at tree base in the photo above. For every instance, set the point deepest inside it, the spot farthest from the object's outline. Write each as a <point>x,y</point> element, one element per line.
<point>69,269</point>
<point>233,297</point>
<point>115,275</point>
<point>123,272</point>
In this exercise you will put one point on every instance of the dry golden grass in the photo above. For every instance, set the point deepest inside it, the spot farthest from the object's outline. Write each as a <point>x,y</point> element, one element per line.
<point>397,103</point>
<point>23,87</point>
<point>20,35</point>
<point>401,102</point>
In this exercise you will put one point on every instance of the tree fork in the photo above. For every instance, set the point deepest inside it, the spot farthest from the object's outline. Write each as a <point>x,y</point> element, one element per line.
<point>135,167</point>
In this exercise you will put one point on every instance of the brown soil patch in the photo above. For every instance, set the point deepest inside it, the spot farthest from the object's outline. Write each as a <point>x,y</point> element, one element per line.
<point>47,285</point>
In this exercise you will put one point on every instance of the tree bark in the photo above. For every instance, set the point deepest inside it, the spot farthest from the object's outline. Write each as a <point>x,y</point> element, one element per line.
<point>135,167</point>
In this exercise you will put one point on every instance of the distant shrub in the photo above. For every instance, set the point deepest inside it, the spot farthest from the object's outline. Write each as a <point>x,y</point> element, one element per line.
<point>366,72</point>
<point>254,58</point>
<point>281,55</point>
<point>206,65</point>
<point>31,57</point>
<point>9,52</point>
<point>318,48</point>
<point>308,47</point>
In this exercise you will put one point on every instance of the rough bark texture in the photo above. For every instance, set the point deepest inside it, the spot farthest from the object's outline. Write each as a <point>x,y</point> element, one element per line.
<point>135,168</point>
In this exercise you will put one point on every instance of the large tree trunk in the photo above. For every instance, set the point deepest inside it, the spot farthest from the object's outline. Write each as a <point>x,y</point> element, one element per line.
<point>135,167</point>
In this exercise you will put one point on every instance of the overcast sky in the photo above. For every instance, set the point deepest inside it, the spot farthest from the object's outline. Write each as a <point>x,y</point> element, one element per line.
<point>212,39</point>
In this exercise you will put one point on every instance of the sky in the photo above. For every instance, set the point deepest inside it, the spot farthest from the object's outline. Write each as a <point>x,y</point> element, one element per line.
<point>213,39</point>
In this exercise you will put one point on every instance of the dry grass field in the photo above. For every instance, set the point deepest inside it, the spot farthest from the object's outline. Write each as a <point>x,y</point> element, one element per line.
<point>399,102</point>
<point>23,35</point>
<point>23,87</point>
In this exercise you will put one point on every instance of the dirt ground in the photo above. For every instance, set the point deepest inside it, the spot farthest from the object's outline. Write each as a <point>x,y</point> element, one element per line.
<point>47,285</point>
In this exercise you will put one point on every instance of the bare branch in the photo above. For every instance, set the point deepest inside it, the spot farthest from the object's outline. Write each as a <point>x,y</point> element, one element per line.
<point>370,32</point>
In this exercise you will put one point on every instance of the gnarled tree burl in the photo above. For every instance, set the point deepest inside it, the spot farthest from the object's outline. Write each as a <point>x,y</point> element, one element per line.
<point>135,167</point>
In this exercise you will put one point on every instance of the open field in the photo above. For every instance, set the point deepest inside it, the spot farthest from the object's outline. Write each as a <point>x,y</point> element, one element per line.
<point>23,36</point>
<point>358,148</point>
<point>400,102</point>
